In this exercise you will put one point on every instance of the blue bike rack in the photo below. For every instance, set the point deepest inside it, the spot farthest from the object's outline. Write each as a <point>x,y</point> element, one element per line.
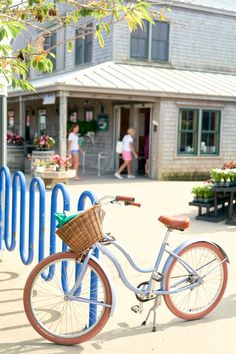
<point>93,277</point>
<point>27,255</point>
<point>5,187</point>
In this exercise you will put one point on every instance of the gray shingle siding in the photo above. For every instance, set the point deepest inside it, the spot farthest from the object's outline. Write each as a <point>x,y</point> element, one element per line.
<point>171,162</point>
<point>203,41</point>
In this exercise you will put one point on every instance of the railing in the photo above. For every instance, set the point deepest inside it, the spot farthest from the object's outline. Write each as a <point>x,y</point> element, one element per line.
<point>99,157</point>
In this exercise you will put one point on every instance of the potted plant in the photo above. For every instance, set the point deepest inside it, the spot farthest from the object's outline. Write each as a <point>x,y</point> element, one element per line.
<point>208,193</point>
<point>217,175</point>
<point>44,142</point>
<point>198,193</point>
<point>14,139</point>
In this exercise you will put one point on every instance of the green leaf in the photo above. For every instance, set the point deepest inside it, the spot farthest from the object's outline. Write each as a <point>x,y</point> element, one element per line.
<point>3,33</point>
<point>52,55</point>
<point>15,28</point>
<point>101,41</point>
<point>107,27</point>
<point>69,46</point>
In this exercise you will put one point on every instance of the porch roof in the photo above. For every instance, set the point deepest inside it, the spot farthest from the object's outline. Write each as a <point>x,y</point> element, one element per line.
<point>139,80</point>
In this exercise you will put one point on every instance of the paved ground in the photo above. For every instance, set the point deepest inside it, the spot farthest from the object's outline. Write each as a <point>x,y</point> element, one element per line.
<point>140,232</point>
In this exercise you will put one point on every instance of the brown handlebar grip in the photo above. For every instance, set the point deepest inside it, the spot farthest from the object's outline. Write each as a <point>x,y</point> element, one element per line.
<point>136,204</point>
<point>125,199</point>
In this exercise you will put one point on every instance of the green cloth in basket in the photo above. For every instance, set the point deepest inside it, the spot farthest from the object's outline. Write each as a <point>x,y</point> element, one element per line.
<point>63,219</point>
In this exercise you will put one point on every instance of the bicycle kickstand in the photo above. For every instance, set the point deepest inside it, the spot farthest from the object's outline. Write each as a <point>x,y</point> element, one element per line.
<point>157,302</point>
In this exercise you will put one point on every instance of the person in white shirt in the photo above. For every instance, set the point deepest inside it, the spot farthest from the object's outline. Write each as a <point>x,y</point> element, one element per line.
<point>128,150</point>
<point>74,148</point>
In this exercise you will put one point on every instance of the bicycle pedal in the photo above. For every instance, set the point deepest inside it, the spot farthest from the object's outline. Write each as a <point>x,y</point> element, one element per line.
<point>136,309</point>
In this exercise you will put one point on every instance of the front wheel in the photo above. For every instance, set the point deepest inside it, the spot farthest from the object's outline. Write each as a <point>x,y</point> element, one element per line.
<point>60,318</point>
<point>194,303</point>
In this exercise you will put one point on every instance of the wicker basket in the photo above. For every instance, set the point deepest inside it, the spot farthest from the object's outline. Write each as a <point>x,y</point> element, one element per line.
<point>84,230</point>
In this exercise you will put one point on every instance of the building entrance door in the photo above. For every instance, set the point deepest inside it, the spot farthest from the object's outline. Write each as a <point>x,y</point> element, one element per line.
<point>143,138</point>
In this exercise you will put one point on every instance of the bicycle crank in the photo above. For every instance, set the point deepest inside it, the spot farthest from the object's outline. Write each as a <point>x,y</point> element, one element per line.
<point>144,297</point>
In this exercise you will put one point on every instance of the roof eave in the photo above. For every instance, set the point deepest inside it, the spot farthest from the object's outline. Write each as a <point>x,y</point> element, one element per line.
<point>199,8</point>
<point>109,93</point>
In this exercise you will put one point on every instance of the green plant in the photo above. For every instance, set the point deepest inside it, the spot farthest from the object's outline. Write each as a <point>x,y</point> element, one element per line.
<point>217,174</point>
<point>84,127</point>
<point>205,191</point>
<point>208,192</point>
<point>198,191</point>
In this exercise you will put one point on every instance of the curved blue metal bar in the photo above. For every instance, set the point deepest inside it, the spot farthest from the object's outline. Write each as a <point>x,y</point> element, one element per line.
<point>66,201</point>
<point>36,182</point>
<point>83,197</point>
<point>66,206</point>
<point>93,276</point>
<point>4,199</point>
<point>10,245</point>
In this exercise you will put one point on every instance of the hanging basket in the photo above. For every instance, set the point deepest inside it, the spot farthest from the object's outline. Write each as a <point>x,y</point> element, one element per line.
<point>84,230</point>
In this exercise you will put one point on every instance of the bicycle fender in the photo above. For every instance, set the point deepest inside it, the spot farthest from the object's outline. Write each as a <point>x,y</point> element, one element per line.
<point>181,247</point>
<point>113,291</point>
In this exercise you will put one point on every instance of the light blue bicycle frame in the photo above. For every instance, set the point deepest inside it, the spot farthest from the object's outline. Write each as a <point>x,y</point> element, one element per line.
<point>73,293</point>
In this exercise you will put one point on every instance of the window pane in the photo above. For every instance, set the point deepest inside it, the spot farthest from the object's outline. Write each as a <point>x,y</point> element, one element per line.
<point>50,43</point>
<point>88,44</point>
<point>187,140</point>
<point>210,135</point>
<point>79,51</point>
<point>159,51</point>
<point>83,45</point>
<point>160,41</point>
<point>160,31</point>
<point>139,43</point>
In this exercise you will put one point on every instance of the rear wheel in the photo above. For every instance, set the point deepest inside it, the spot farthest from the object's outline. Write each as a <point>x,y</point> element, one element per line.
<point>197,302</point>
<point>61,319</point>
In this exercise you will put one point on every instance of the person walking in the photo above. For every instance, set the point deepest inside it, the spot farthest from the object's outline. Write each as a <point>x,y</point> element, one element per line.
<point>74,148</point>
<point>128,150</point>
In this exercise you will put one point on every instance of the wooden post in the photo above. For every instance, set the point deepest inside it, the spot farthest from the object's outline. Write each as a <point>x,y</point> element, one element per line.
<point>21,117</point>
<point>63,124</point>
<point>3,130</point>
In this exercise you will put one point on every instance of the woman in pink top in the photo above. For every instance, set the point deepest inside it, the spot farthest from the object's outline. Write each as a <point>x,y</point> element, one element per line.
<point>128,150</point>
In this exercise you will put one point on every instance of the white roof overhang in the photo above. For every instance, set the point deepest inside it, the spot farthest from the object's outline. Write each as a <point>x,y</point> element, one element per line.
<point>130,81</point>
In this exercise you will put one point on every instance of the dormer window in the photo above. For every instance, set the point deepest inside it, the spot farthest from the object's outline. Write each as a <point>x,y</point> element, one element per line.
<point>151,43</point>
<point>50,43</point>
<point>83,45</point>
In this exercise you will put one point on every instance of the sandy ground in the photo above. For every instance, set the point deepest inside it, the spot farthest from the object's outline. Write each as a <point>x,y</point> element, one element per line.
<point>139,231</point>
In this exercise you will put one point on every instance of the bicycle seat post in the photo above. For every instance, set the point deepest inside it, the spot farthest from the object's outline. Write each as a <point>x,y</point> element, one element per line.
<point>167,234</point>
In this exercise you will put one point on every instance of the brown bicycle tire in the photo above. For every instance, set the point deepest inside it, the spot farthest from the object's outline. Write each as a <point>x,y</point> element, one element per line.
<point>35,324</point>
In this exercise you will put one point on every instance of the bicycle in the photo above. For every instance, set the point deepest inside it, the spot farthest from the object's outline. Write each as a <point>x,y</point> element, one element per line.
<point>68,299</point>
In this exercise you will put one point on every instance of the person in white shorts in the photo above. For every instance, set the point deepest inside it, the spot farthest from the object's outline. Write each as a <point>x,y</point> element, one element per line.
<point>128,151</point>
<point>74,148</point>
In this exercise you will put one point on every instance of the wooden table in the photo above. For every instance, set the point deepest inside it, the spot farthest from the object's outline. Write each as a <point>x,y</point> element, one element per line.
<point>51,178</point>
<point>230,192</point>
<point>223,207</point>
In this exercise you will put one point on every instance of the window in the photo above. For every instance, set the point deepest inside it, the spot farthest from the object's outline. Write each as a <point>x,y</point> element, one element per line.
<point>198,132</point>
<point>50,42</point>
<point>210,132</point>
<point>151,43</point>
<point>83,45</point>
<point>187,140</point>
<point>139,43</point>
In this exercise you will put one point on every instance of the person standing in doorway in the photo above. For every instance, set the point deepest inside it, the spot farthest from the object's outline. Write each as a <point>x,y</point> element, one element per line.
<point>128,150</point>
<point>146,155</point>
<point>74,148</point>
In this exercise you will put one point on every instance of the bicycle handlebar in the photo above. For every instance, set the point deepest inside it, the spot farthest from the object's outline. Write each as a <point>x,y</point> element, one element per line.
<point>120,198</point>
<point>133,204</point>
<point>127,200</point>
